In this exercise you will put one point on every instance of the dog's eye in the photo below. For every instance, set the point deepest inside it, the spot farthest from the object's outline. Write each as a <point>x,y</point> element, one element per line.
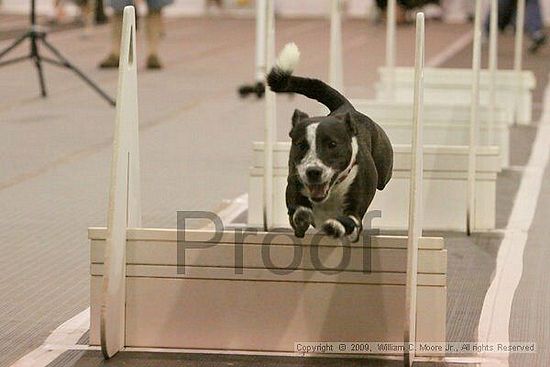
<point>332,144</point>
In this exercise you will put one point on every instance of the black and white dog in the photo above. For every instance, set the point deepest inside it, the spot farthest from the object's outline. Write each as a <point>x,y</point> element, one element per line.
<point>336,162</point>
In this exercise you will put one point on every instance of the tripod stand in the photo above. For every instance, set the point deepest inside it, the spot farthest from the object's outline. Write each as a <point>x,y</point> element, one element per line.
<point>37,36</point>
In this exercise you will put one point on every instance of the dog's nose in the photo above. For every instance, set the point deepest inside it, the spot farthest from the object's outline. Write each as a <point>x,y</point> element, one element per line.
<point>314,174</point>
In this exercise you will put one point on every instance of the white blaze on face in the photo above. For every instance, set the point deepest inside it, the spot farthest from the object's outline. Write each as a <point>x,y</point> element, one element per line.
<point>311,160</point>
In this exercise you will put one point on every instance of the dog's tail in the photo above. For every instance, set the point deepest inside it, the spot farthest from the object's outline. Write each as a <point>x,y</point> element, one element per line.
<point>281,80</point>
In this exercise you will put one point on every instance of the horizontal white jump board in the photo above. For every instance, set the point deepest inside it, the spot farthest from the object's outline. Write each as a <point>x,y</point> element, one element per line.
<point>257,238</point>
<point>443,124</point>
<point>382,254</point>
<point>455,86</point>
<point>454,113</point>
<point>453,78</point>
<point>212,308</point>
<point>255,317</point>
<point>445,159</point>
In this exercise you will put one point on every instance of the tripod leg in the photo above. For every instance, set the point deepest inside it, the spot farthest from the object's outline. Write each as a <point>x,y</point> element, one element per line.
<point>77,71</point>
<point>14,45</point>
<point>14,60</point>
<point>38,63</point>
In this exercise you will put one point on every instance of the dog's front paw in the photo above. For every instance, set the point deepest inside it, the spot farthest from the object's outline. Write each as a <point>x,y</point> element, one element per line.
<point>341,227</point>
<point>301,220</point>
<point>334,228</point>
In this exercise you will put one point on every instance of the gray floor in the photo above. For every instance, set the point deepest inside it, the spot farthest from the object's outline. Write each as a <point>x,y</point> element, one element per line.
<point>55,157</point>
<point>93,359</point>
<point>530,315</point>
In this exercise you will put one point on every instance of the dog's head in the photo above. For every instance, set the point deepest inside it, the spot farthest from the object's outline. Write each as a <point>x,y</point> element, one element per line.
<point>323,152</point>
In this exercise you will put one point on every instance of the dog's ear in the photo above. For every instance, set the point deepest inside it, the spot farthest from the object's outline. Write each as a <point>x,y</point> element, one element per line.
<point>350,124</point>
<point>298,116</point>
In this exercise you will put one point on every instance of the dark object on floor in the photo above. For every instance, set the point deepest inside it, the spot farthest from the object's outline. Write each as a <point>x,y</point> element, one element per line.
<point>258,89</point>
<point>110,62</point>
<point>100,17</point>
<point>406,4</point>
<point>37,36</point>
<point>537,42</point>
<point>153,62</point>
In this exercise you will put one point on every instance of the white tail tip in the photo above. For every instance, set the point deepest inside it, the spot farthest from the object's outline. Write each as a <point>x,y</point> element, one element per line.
<point>289,57</point>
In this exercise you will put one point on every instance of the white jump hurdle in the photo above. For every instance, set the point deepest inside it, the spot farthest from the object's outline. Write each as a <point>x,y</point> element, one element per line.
<point>447,122</point>
<point>458,196</point>
<point>336,66</point>
<point>139,298</point>
<point>261,14</point>
<point>512,88</point>
<point>444,124</point>
<point>415,193</point>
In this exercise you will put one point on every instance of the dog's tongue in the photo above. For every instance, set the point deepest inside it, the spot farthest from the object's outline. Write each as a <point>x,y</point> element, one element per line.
<point>318,192</point>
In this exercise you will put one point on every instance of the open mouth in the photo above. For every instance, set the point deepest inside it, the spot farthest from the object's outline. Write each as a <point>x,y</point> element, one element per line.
<point>318,192</point>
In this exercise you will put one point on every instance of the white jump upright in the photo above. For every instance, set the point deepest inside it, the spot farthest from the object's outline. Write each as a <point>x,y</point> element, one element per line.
<point>124,193</point>
<point>391,47</point>
<point>270,122</point>
<point>415,195</point>
<point>518,54</point>
<point>261,39</point>
<point>493,57</point>
<point>336,67</point>
<point>474,117</point>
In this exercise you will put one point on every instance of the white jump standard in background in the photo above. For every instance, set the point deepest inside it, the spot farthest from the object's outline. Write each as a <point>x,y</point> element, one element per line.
<point>513,88</point>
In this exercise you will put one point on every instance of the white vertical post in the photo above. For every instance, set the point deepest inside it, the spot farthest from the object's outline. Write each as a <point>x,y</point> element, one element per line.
<point>518,54</point>
<point>493,57</point>
<point>391,45</point>
<point>336,68</point>
<point>261,14</point>
<point>415,194</point>
<point>124,194</point>
<point>474,118</point>
<point>270,122</point>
